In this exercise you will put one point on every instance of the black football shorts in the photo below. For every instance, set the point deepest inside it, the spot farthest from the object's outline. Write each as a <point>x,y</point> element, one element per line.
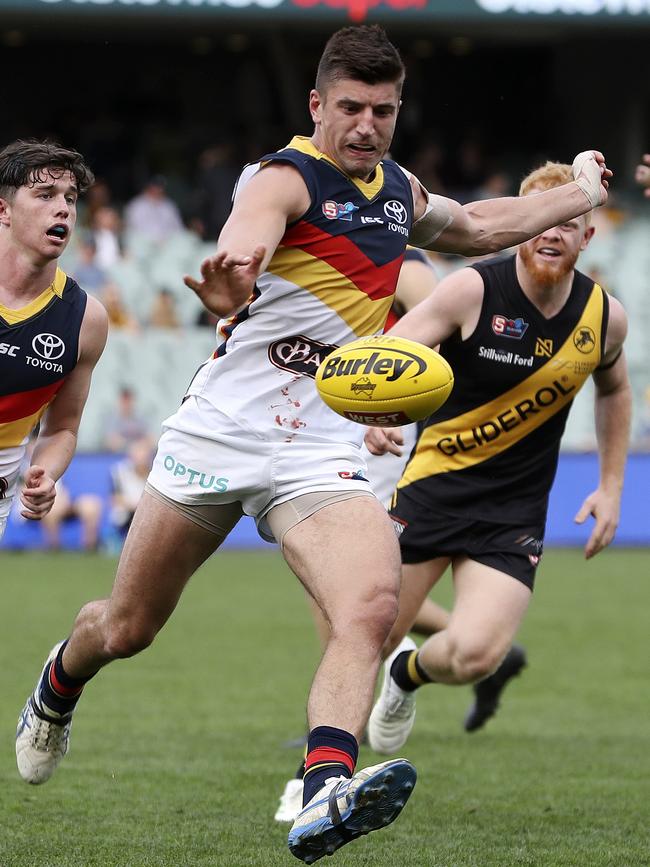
<point>425,534</point>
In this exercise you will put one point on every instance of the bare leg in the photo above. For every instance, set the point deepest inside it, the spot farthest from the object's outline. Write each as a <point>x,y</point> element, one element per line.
<point>417,581</point>
<point>51,522</point>
<point>488,611</point>
<point>431,618</point>
<point>162,551</point>
<point>347,557</point>
<point>89,509</point>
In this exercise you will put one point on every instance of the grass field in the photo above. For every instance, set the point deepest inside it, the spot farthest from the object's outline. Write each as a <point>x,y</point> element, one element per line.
<point>178,755</point>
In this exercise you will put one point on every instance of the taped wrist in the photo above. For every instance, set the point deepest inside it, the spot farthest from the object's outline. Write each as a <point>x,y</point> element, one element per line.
<point>587,174</point>
<point>432,223</point>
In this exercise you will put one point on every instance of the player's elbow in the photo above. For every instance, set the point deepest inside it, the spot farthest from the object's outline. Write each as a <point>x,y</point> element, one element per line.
<point>483,242</point>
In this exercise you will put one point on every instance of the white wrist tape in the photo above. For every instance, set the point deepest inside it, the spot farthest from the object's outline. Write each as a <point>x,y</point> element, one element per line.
<point>587,174</point>
<point>432,223</point>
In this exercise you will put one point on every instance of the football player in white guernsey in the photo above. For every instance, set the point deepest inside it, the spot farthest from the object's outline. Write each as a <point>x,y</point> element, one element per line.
<point>307,260</point>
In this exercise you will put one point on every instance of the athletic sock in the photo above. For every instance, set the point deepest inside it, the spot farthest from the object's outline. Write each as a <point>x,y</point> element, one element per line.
<point>407,672</point>
<point>300,773</point>
<point>331,752</point>
<point>58,693</point>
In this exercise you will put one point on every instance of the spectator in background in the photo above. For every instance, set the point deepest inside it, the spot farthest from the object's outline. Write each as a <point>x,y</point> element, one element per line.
<point>496,183</point>
<point>97,197</point>
<point>152,214</point>
<point>87,272</point>
<point>125,425</point>
<point>118,314</point>
<point>106,231</point>
<point>163,311</point>
<point>642,175</point>
<point>87,508</point>
<point>215,182</point>
<point>128,479</point>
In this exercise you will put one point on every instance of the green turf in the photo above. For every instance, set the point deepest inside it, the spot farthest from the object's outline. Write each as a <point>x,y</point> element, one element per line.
<point>178,755</point>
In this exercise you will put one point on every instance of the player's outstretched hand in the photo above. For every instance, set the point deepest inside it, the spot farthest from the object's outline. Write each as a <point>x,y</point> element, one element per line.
<point>642,175</point>
<point>592,176</point>
<point>227,280</point>
<point>380,440</point>
<point>605,509</point>
<point>38,493</point>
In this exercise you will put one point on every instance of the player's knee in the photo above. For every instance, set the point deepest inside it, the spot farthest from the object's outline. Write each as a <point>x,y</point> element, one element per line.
<point>125,637</point>
<point>367,620</point>
<point>471,662</point>
<point>379,614</point>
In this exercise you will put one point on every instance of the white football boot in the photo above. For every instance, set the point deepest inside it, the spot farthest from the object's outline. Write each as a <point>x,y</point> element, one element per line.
<point>41,740</point>
<point>290,801</point>
<point>393,715</point>
<point>345,809</point>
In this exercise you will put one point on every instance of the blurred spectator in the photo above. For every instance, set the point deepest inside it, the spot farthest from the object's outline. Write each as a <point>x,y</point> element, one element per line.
<point>87,508</point>
<point>106,230</point>
<point>642,175</point>
<point>128,478</point>
<point>118,314</point>
<point>86,270</point>
<point>427,166</point>
<point>206,319</point>
<point>163,311</point>
<point>495,185</point>
<point>215,182</point>
<point>152,214</point>
<point>96,197</point>
<point>124,425</point>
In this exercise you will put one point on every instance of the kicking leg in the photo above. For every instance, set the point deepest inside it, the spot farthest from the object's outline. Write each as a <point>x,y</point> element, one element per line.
<point>355,586</point>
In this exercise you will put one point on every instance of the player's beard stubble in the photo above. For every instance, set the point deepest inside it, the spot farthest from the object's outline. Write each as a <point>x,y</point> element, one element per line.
<point>546,274</point>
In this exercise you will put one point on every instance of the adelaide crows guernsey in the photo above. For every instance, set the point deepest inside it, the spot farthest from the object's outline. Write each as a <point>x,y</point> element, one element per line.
<point>490,452</point>
<point>331,279</point>
<point>39,345</point>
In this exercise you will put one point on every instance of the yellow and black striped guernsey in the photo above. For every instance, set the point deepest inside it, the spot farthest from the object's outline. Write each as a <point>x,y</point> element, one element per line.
<point>490,453</point>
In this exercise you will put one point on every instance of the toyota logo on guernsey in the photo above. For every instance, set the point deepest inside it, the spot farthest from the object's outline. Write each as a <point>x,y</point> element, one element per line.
<point>48,346</point>
<point>395,210</point>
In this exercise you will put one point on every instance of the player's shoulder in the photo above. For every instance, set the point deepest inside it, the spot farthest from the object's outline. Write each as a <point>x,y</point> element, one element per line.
<point>94,329</point>
<point>617,322</point>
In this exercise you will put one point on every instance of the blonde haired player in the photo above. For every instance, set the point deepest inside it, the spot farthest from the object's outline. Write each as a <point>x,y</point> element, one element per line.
<point>522,335</point>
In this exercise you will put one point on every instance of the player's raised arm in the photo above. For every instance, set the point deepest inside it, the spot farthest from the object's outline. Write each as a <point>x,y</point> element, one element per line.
<point>269,200</point>
<point>495,224</point>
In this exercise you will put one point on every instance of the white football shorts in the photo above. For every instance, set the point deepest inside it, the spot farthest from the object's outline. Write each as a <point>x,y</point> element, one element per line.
<point>10,462</point>
<point>385,471</point>
<point>204,457</point>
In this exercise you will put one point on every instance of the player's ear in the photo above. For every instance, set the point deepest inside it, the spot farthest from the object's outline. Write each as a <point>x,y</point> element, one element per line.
<point>588,235</point>
<point>315,106</point>
<point>5,217</point>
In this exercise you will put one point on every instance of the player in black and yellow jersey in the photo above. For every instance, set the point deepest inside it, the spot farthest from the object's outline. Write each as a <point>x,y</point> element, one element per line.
<point>522,334</point>
<point>51,332</point>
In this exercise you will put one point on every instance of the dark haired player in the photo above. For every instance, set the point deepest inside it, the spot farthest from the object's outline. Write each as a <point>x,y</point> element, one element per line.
<point>51,332</point>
